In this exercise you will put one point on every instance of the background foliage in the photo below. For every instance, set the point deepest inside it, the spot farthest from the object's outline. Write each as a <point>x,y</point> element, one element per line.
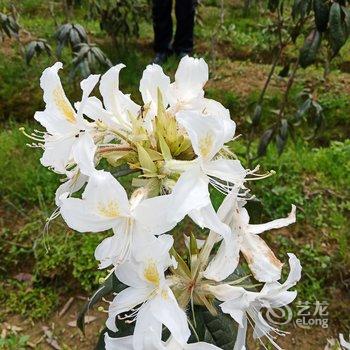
<point>303,109</point>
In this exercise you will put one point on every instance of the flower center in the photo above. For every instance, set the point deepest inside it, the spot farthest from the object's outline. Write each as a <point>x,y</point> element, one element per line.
<point>109,209</point>
<point>151,273</point>
<point>205,145</point>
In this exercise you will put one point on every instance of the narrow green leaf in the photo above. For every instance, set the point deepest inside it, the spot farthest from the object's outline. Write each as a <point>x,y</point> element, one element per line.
<point>264,142</point>
<point>310,48</point>
<point>145,160</point>
<point>164,148</point>
<point>337,35</point>
<point>110,285</point>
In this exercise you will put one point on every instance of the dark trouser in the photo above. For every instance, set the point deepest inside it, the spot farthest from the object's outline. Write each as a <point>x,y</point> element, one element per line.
<point>163,25</point>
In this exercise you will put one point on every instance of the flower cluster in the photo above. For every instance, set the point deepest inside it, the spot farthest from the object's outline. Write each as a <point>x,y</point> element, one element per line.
<point>174,144</point>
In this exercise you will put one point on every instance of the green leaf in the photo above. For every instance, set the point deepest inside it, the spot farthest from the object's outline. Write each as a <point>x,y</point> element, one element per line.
<point>110,285</point>
<point>30,51</point>
<point>303,109</point>
<point>337,33</point>
<point>264,142</point>
<point>257,115</point>
<point>146,161</point>
<point>164,148</point>
<point>321,9</point>
<point>219,330</point>
<point>193,244</point>
<point>280,143</point>
<point>310,48</point>
<point>301,8</point>
<point>81,31</point>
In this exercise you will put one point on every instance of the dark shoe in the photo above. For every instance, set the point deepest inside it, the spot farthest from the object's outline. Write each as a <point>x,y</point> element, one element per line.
<point>182,54</point>
<point>160,58</point>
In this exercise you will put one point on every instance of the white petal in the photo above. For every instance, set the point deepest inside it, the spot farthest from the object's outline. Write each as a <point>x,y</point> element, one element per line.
<point>290,219</point>
<point>59,115</point>
<point>103,186</point>
<point>104,205</point>
<point>236,305</point>
<point>281,299</point>
<point>211,107</point>
<point>261,328</point>
<point>226,292</point>
<point>87,85</point>
<point>156,249</point>
<point>153,78</point>
<point>261,259</point>
<point>206,133</point>
<point>58,153</point>
<point>225,260</point>
<point>73,184</point>
<point>294,273</point>
<point>128,273</point>
<point>114,100</point>
<point>226,169</point>
<point>109,85</point>
<point>276,294</point>
<point>124,301</point>
<point>343,342</point>
<point>241,336</point>
<point>82,216</point>
<point>115,249</point>
<point>166,310</point>
<point>122,343</point>
<point>154,215</point>
<point>148,330</point>
<point>94,110</point>
<point>189,193</point>
<point>208,218</point>
<point>190,78</point>
<point>84,152</point>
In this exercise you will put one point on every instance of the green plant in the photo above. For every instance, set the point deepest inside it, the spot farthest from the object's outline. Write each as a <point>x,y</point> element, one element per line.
<point>70,34</point>
<point>319,19</point>
<point>120,19</point>
<point>8,26</point>
<point>14,342</point>
<point>36,47</point>
<point>89,58</point>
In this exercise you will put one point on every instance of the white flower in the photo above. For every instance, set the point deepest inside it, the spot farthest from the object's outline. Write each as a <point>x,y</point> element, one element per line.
<point>187,91</point>
<point>105,205</point>
<point>190,78</point>
<point>117,105</point>
<point>244,237</point>
<point>343,342</point>
<point>208,135</point>
<point>244,305</point>
<point>154,80</point>
<point>152,342</point>
<point>149,291</point>
<point>63,124</point>
<point>83,154</point>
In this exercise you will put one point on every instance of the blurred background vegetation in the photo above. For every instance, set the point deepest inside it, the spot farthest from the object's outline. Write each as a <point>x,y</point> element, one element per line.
<point>297,122</point>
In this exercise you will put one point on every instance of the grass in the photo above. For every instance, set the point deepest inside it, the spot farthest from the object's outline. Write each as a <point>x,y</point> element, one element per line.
<point>14,342</point>
<point>311,173</point>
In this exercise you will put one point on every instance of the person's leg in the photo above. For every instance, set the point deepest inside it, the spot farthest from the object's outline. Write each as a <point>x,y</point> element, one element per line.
<point>162,25</point>
<point>185,12</point>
